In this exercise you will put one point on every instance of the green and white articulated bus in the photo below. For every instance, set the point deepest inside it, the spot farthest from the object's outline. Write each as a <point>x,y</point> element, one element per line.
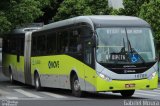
<point>85,53</point>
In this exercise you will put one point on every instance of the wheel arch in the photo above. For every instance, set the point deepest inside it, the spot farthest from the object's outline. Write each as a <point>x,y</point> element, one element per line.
<point>37,75</point>
<point>36,72</point>
<point>10,70</point>
<point>72,73</point>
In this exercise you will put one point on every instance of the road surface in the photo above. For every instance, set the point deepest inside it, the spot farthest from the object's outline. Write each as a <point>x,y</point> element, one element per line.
<point>19,94</point>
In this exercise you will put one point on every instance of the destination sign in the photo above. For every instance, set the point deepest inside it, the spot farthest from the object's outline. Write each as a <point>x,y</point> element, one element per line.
<point>123,31</point>
<point>118,56</point>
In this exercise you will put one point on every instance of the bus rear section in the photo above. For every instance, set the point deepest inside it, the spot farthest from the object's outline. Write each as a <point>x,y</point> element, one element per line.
<point>16,50</point>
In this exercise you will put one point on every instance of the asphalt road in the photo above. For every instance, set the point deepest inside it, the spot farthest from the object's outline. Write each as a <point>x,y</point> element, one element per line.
<point>19,94</point>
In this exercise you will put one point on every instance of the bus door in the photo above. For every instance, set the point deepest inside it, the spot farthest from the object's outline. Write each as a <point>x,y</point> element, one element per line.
<point>89,61</point>
<point>27,59</point>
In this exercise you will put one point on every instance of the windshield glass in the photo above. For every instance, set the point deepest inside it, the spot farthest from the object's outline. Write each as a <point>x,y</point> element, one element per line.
<point>125,45</point>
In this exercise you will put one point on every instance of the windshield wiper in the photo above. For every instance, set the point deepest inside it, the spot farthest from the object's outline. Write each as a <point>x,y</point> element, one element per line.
<point>132,50</point>
<point>123,48</point>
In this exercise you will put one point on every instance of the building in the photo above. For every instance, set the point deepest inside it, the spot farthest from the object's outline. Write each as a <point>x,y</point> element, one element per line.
<point>116,4</point>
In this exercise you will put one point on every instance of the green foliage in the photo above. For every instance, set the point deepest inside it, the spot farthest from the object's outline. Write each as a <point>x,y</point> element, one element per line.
<point>4,23</point>
<point>150,12</point>
<point>131,7</point>
<point>23,12</point>
<point>42,3</point>
<point>99,7</point>
<point>15,13</point>
<point>72,8</point>
<point>120,11</point>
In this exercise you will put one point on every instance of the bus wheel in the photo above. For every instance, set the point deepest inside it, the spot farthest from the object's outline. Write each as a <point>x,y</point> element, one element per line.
<point>127,93</point>
<point>11,76</point>
<point>75,86</point>
<point>37,82</point>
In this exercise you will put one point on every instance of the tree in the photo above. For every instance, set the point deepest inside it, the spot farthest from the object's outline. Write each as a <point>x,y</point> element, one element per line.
<point>49,11</point>
<point>5,25</point>
<point>72,8</point>
<point>99,7</point>
<point>15,13</point>
<point>25,11</point>
<point>150,12</point>
<point>131,7</point>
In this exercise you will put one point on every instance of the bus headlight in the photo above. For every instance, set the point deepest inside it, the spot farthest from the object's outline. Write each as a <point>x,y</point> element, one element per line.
<point>152,75</point>
<point>104,77</point>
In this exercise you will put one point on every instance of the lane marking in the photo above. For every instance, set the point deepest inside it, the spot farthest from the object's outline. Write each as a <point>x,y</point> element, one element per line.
<point>156,90</point>
<point>8,97</point>
<point>149,92</point>
<point>28,94</point>
<point>3,92</point>
<point>110,93</point>
<point>54,95</point>
<point>137,93</point>
<point>15,86</point>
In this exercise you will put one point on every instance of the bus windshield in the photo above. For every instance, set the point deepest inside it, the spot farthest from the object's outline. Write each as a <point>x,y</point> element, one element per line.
<point>125,45</point>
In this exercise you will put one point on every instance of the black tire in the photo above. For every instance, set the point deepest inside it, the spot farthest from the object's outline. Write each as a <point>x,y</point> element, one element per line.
<point>37,82</point>
<point>127,93</point>
<point>11,76</point>
<point>75,86</point>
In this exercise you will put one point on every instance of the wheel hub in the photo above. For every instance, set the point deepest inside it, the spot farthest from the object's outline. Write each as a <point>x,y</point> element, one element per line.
<point>76,85</point>
<point>11,77</point>
<point>37,82</point>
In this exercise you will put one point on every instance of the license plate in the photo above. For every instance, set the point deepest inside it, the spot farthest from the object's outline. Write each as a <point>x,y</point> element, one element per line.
<point>130,85</point>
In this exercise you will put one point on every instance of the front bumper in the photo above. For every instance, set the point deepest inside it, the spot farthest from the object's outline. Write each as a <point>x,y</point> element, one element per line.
<point>115,85</point>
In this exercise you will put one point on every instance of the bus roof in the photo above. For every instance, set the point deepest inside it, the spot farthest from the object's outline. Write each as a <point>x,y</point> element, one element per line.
<point>24,30</point>
<point>104,21</point>
<point>21,31</point>
<point>100,21</point>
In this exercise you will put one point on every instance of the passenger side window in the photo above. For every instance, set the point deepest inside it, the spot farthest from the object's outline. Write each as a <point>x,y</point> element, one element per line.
<point>74,41</point>
<point>22,46</point>
<point>38,45</point>
<point>34,46</point>
<point>41,45</point>
<point>63,41</point>
<point>5,45</point>
<point>51,44</point>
